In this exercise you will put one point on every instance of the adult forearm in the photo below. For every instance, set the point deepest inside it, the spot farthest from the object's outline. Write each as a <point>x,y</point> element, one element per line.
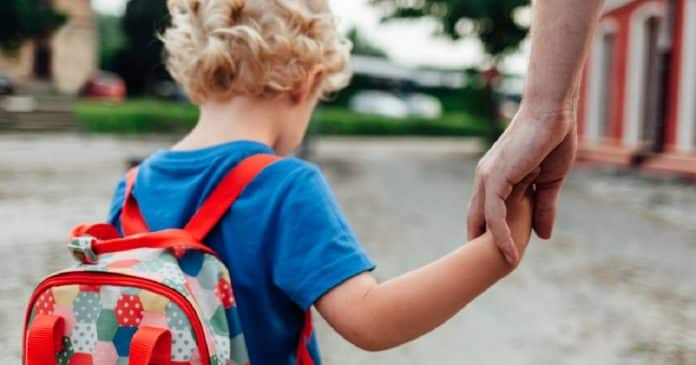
<point>404,308</point>
<point>561,34</point>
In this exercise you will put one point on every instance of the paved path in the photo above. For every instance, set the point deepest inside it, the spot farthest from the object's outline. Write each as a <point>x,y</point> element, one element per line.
<point>615,286</point>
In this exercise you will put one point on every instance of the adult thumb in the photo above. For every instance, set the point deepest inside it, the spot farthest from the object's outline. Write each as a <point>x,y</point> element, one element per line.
<point>545,201</point>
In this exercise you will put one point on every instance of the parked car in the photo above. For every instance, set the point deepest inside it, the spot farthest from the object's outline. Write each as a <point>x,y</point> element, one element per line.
<point>6,85</point>
<point>105,86</point>
<point>379,103</point>
<point>389,105</point>
<point>424,106</point>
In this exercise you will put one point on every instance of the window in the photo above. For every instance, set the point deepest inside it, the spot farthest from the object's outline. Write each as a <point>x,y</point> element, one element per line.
<point>606,91</point>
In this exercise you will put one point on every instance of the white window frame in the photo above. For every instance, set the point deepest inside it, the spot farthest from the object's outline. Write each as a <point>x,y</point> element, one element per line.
<point>686,121</point>
<point>596,82</point>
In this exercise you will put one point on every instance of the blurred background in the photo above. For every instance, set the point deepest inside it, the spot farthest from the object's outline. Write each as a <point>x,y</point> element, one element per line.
<point>83,93</point>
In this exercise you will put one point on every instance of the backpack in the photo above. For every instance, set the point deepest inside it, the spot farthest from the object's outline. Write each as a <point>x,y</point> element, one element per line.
<point>148,297</point>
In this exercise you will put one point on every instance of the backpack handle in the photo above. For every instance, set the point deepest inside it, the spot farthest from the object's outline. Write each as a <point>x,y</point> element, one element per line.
<point>168,238</point>
<point>86,248</point>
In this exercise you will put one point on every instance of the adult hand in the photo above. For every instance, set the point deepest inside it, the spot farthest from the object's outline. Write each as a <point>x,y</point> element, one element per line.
<point>534,141</point>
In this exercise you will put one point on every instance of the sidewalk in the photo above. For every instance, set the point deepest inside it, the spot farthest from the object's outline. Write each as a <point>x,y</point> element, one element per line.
<point>614,286</point>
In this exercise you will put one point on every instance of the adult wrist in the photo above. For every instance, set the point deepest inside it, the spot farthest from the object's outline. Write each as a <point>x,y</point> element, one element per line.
<point>540,102</point>
<point>548,112</point>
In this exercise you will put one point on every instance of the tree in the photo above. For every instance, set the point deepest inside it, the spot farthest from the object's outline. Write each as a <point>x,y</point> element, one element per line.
<point>26,19</point>
<point>364,47</point>
<point>140,61</point>
<point>111,41</point>
<point>491,21</point>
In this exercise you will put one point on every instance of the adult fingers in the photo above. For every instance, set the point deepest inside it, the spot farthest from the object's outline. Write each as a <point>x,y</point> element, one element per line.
<point>523,187</point>
<point>495,214</point>
<point>476,220</point>
<point>545,200</point>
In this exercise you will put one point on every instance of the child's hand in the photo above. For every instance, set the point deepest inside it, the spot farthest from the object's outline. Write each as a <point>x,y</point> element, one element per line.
<point>520,212</point>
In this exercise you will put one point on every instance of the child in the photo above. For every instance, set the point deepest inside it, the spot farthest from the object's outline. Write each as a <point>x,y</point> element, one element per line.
<point>256,69</point>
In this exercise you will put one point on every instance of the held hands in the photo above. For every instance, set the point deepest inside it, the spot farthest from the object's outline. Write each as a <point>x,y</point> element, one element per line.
<point>520,210</point>
<point>534,141</point>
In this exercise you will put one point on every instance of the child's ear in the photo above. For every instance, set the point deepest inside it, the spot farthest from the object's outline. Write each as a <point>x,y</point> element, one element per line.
<point>308,87</point>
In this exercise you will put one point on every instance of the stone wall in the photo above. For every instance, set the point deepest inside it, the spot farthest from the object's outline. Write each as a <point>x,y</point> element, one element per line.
<point>74,50</point>
<point>74,46</point>
<point>19,65</point>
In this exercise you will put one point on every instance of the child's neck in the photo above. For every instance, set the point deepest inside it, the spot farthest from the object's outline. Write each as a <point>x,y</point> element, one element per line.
<point>242,118</point>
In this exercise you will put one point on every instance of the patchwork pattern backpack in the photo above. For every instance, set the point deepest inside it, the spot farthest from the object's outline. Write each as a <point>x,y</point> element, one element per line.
<point>146,298</point>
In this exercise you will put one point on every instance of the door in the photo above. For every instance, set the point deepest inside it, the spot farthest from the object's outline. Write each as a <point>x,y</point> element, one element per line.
<point>655,91</point>
<point>42,59</point>
<point>606,91</point>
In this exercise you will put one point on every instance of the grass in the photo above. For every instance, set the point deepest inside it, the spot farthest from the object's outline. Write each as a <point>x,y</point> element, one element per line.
<point>135,116</point>
<point>153,116</point>
<point>339,121</point>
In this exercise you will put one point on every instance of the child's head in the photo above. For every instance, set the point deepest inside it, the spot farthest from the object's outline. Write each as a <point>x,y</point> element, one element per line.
<point>284,52</point>
<point>220,49</point>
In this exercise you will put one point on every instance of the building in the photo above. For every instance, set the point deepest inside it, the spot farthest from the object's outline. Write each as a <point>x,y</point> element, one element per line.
<point>67,59</point>
<point>638,97</point>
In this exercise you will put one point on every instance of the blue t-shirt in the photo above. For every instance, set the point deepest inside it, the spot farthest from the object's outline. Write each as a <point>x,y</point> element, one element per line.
<point>285,240</point>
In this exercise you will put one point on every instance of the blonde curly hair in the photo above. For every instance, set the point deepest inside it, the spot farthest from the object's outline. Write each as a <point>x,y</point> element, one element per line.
<point>219,49</point>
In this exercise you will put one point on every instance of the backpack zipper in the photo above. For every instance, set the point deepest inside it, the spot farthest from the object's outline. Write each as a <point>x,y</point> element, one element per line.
<point>122,280</point>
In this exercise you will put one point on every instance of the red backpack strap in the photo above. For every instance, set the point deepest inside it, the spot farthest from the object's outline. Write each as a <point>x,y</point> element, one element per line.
<point>225,194</point>
<point>150,345</point>
<point>132,220</point>
<point>44,340</point>
<point>176,239</point>
<point>303,356</point>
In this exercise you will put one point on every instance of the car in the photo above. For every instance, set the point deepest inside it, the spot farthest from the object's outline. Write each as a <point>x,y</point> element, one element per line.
<point>389,105</point>
<point>424,106</point>
<point>6,85</point>
<point>379,103</point>
<point>105,86</point>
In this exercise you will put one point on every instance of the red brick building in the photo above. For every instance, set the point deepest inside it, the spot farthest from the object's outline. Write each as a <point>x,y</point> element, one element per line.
<point>638,98</point>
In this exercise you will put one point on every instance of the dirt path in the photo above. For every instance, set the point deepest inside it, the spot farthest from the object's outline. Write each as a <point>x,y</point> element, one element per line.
<point>615,286</point>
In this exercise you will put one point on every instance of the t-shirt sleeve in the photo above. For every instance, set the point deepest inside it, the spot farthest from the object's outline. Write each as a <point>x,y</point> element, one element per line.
<point>314,248</point>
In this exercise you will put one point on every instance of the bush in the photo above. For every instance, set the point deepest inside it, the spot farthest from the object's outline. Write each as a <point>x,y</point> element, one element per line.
<point>339,121</point>
<point>136,116</point>
<point>152,116</point>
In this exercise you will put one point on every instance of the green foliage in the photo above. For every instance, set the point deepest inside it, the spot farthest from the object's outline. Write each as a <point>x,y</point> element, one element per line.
<point>111,41</point>
<point>362,46</point>
<point>492,20</point>
<point>136,116</point>
<point>151,116</point>
<point>470,99</point>
<point>140,61</point>
<point>26,19</point>
<point>340,121</point>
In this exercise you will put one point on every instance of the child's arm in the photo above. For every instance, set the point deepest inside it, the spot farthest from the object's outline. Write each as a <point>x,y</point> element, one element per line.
<point>377,316</point>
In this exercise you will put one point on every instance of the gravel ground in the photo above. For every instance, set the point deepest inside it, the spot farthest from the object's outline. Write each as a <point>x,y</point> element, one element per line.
<point>616,284</point>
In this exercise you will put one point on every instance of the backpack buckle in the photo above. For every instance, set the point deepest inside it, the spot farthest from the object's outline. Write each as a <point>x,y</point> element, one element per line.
<point>81,249</point>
